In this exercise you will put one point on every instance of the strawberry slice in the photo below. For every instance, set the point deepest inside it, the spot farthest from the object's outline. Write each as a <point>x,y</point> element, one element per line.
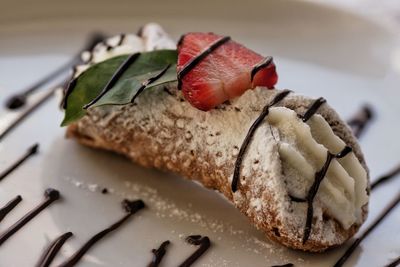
<point>213,69</point>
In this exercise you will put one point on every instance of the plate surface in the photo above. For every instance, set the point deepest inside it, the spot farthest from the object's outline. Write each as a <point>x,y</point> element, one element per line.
<point>319,51</point>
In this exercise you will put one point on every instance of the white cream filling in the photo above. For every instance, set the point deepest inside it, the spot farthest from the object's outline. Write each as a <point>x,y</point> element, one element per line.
<point>303,150</point>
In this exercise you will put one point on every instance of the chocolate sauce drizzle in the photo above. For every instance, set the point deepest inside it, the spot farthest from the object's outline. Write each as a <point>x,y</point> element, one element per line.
<point>51,252</point>
<point>31,151</point>
<point>394,263</point>
<point>121,39</point>
<point>197,240</point>
<point>319,176</point>
<point>9,207</point>
<point>197,59</point>
<point>150,81</point>
<point>19,100</point>
<point>266,62</point>
<point>113,80</point>
<point>386,177</point>
<point>50,194</point>
<point>377,221</point>
<point>131,207</point>
<point>360,120</point>
<point>158,254</point>
<point>24,113</point>
<point>313,109</point>
<point>249,136</point>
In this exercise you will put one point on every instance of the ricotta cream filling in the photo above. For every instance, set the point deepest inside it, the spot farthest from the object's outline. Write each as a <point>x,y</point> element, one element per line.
<point>303,150</point>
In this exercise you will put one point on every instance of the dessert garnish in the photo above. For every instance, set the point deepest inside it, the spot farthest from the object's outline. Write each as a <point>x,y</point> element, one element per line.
<point>50,194</point>
<point>9,207</point>
<point>118,81</point>
<point>368,231</point>
<point>360,120</point>
<point>197,240</point>
<point>386,177</point>
<point>131,207</point>
<point>213,69</point>
<point>31,151</point>
<point>158,254</point>
<point>114,78</point>
<point>52,250</point>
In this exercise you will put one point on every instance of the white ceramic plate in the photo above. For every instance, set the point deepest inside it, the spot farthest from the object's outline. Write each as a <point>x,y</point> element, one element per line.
<point>319,51</point>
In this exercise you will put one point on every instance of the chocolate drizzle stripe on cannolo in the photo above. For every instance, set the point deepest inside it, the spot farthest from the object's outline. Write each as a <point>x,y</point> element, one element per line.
<point>313,109</point>
<point>158,254</point>
<point>51,195</point>
<point>150,81</point>
<point>131,208</point>
<point>197,59</point>
<point>197,240</point>
<point>114,79</point>
<point>259,66</point>
<point>31,151</point>
<point>121,39</point>
<point>51,252</point>
<point>319,176</point>
<point>377,221</point>
<point>9,207</point>
<point>249,135</point>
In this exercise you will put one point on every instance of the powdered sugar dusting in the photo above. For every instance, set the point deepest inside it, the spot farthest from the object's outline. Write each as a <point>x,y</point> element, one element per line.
<point>167,209</point>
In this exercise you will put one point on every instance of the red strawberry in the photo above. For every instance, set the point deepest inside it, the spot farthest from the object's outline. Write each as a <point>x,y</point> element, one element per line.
<point>212,69</point>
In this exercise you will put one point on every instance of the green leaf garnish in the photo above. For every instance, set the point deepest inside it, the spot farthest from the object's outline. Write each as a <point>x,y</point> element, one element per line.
<point>91,82</point>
